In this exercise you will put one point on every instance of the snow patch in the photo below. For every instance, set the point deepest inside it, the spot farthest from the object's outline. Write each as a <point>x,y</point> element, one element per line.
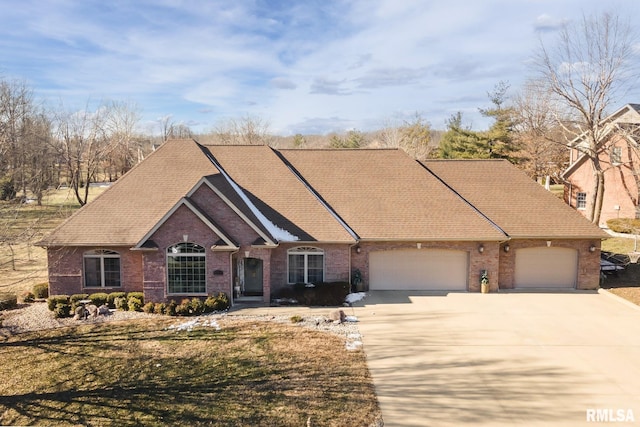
<point>275,231</point>
<point>355,297</point>
<point>350,319</point>
<point>353,345</point>
<point>195,322</point>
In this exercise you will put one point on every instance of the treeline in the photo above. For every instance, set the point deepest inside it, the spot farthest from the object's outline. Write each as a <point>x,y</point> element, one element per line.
<point>42,149</point>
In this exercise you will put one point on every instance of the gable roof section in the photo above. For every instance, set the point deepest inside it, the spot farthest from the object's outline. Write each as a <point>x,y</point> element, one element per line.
<point>629,113</point>
<point>227,242</point>
<point>130,208</point>
<point>277,194</point>
<point>521,207</point>
<point>386,195</point>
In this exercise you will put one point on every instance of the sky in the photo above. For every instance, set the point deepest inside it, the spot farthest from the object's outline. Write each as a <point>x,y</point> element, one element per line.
<point>310,67</point>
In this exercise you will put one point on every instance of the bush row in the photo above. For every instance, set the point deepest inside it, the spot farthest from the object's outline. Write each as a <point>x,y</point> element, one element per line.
<point>319,294</point>
<point>65,305</point>
<point>189,307</point>
<point>624,225</point>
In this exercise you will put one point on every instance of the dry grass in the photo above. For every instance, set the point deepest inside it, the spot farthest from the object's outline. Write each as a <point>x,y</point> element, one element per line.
<point>22,264</point>
<point>625,284</point>
<point>140,373</point>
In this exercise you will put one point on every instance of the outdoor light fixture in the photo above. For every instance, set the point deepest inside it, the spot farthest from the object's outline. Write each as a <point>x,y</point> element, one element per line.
<point>506,247</point>
<point>592,248</point>
<point>358,249</point>
<point>246,254</point>
<point>481,248</point>
<point>419,245</point>
<point>548,243</point>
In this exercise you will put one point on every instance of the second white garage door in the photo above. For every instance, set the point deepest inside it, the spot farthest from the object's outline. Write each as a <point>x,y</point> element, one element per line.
<point>545,267</point>
<point>418,269</point>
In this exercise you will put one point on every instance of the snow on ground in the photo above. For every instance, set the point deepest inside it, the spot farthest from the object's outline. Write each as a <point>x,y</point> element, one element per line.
<point>355,297</point>
<point>202,322</point>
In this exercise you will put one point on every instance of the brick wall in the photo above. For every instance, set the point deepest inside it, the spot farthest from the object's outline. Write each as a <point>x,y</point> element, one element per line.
<point>66,270</point>
<point>588,262</point>
<point>487,260</point>
<point>620,185</point>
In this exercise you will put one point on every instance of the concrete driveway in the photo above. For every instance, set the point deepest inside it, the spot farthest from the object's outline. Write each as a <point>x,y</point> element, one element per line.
<point>548,359</point>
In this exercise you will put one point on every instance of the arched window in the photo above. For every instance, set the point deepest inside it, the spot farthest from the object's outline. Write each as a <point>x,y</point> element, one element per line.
<point>101,269</point>
<point>186,269</point>
<point>305,265</point>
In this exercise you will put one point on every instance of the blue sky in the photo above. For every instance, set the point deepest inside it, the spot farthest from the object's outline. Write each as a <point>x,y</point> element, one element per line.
<point>303,66</point>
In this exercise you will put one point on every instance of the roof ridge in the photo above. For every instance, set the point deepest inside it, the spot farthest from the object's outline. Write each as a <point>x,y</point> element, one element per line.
<point>317,195</point>
<point>471,205</point>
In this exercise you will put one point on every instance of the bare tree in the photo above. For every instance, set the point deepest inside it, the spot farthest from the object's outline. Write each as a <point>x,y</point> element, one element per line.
<point>247,130</point>
<point>586,70</point>
<point>120,123</point>
<point>82,144</point>
<point>413,136</point>
<point>537,133</point>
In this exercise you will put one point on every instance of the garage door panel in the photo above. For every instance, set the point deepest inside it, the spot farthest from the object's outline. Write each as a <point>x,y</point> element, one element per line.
<point>425,269</point>
<point>546,267</point>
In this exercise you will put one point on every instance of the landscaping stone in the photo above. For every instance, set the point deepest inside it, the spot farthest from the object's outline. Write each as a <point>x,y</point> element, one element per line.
<point>337,316</point>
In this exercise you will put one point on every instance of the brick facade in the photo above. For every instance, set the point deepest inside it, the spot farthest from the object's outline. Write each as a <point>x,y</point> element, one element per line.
<point>621,189</point>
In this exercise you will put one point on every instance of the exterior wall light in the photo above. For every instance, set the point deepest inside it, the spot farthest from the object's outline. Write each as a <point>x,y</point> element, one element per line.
<point>592,248</point>
<point>419,245</point>
<point>481,248</point>
<point>358,249</point>
<point>506,247</point>
<point>246,254</point>
<point>548,243</point>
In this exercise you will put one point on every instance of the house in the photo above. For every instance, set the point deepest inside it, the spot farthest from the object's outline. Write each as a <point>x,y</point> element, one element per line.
<point>192,220</point>
<point>618,156</point>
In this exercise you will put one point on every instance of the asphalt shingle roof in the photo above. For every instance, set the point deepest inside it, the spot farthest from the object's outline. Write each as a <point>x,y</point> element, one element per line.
<point>384,194</point>
<point>329,196</point>
<point>520,206</point>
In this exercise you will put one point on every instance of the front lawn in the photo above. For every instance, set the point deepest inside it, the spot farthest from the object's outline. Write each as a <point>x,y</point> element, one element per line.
<point>144,373</point>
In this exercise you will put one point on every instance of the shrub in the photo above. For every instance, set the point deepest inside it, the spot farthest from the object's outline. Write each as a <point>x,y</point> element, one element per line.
<point>138,295</point>
<point>624,225</point>
<point>320,294</point>
<point>41,290</point>
<point>54,300</point>
<point>170,309</point>
<point>219,302</point>
<point>197,307</point>
<point>120,303</point>
<point>149,307</point>
<point>296,319</point>
<point>98,298</point>
<point>160,308</point>
<point>62,310</point>
<point>184,308</point>
<point>8,300</point>
<point>111,298</point>
<point>75,298</point>
<point>27,296</point>
<point>134,304</point>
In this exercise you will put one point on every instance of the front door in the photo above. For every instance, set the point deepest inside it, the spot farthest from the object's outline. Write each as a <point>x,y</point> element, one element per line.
<point>252,277</point>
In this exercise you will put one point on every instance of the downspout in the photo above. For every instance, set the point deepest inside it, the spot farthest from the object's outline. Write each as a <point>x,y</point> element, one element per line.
<point>351,247</point>
<point>231,254</point>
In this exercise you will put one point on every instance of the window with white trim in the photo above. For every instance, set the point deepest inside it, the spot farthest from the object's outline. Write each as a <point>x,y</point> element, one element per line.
<point>101,269</point>
<point>305,265</point>
<point>581,201</point>
<point>616,155</point>
<point>186,269</point>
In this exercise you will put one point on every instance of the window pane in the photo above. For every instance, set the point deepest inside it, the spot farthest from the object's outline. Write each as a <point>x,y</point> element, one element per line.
<point>315,273</point>
<point>186,274</point>
<point>112,272</point>
<point>92,272</point>
<point>296,268</point>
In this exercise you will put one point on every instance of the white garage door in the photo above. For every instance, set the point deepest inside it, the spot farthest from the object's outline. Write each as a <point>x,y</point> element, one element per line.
<point>546,268</point>
<point>418,269</point>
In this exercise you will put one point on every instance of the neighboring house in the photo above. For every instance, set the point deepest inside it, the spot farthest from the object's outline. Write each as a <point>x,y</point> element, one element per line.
<point>193,220</point>
<point>618,155</point>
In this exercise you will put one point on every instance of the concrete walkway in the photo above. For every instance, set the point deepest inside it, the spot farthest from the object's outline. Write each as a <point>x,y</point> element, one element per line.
<point>531,359</point>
